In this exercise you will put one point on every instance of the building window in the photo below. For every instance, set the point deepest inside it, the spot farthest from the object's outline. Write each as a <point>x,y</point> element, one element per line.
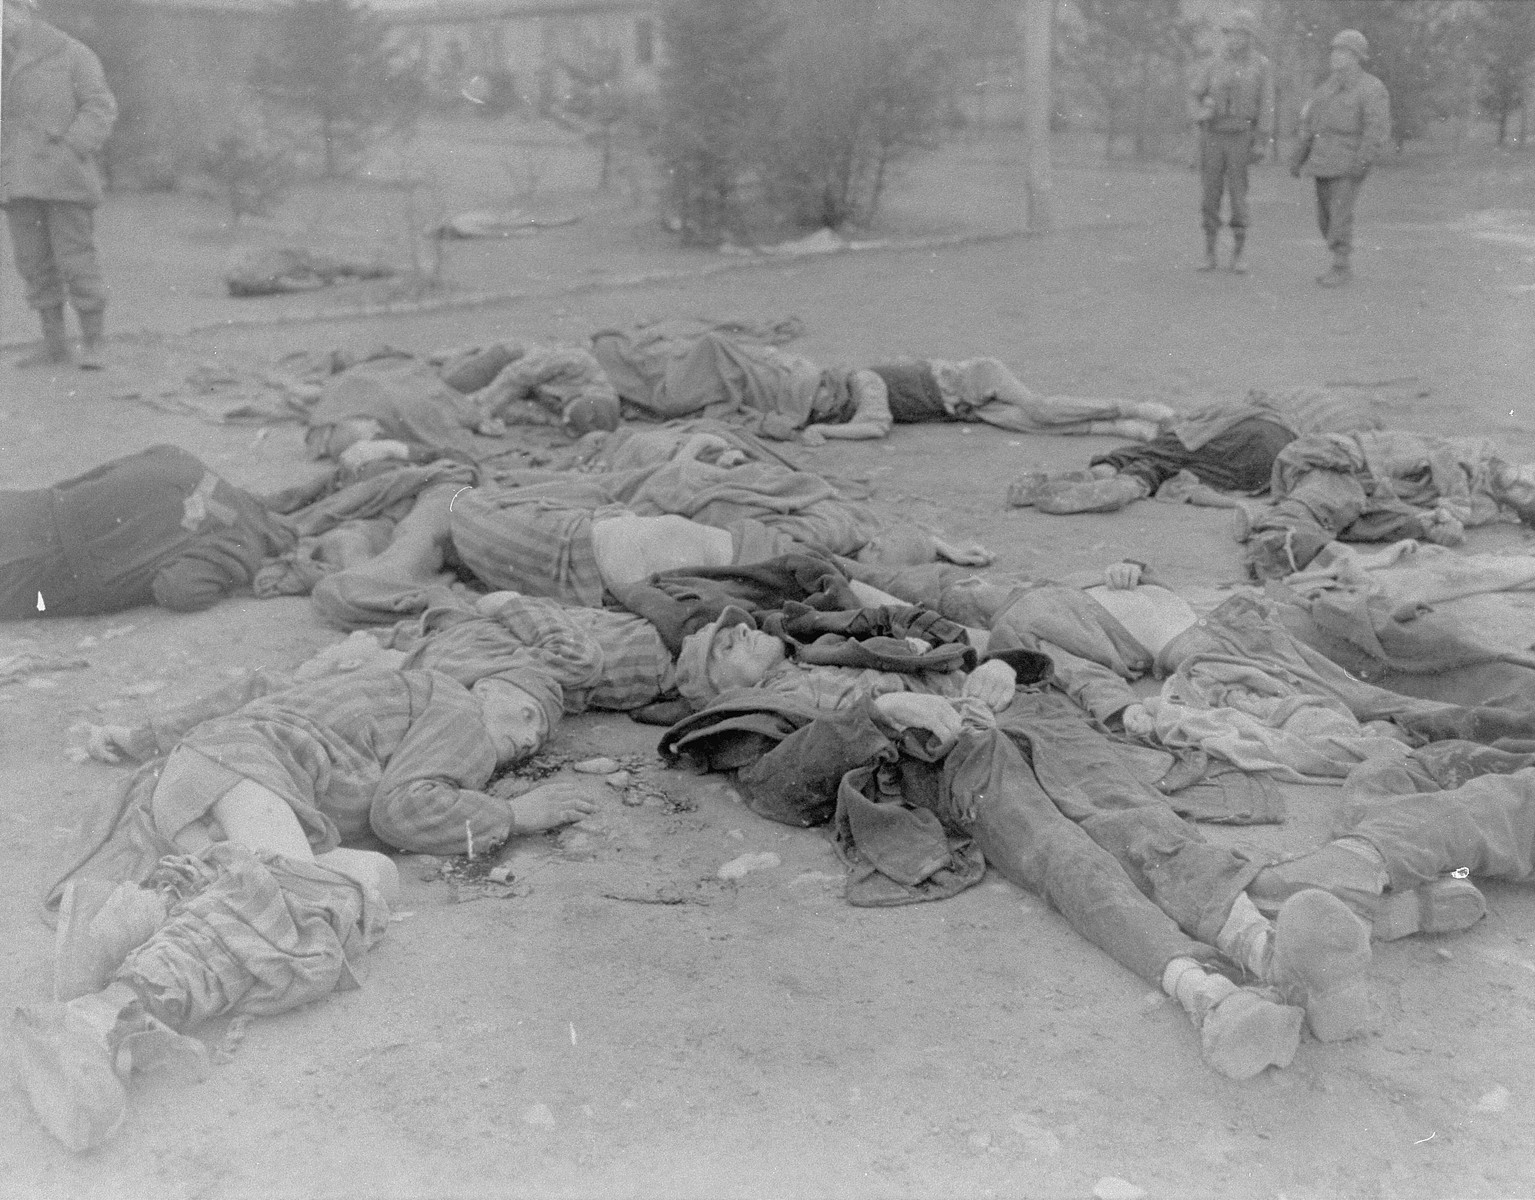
<point>644,42</point>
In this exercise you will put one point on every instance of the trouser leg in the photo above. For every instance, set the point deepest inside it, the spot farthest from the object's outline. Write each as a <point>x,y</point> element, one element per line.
<point>1238,160</point>
<point>1212,179</point>
<point>1487,826</point>
<point>1323,208</point>
<point>259,933</point>
<point>32,246</point>
<point>1192,881</point>
<point>1031,843</point>
<point>72,232</point>
<point>1341,194</point>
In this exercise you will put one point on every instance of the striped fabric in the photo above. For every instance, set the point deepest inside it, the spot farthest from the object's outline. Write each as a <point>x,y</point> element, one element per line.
<point>599,657</point>
<point>397,755</point>
<point>527,543</point>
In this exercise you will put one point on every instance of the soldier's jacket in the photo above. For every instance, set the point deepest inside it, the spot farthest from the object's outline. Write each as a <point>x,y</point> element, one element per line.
<point>1234,96</point>
<point>58,113</point>
<point>1346,126</point>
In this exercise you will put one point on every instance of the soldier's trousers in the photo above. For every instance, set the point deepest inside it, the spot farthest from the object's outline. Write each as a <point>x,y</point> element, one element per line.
<point>55,247</point>
<point>1223,162</point>
<point>1335,199</point>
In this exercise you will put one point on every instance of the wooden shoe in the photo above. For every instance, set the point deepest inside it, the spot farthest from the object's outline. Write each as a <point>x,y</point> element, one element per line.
<point>1246,1033</point>
<point>1320,960</point>
<point>1443,906</point>
<point>1092,495</point>
<point>66,1066</point>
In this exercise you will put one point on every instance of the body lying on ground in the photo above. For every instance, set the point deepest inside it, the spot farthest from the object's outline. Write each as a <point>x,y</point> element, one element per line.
<point>1248,682</point>
<point>156,527</point>
<point>580,538</point>
<point>217,884</point>
<point>1207,451</point>
<point>778,393</point>
<point>1382,486</point>
<point>925,787</point>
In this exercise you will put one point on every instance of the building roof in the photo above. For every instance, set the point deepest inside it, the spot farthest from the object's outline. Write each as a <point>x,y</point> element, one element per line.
<point>425,10</point>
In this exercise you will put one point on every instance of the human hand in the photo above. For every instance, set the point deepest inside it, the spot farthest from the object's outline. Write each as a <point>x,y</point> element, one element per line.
<point>491,427</point>
<point>993,684</point>
<point>361,453</point>
<point>491,603</point>
<point>811,436</point>
<point>907,710</point>
<point>971,554</point>
<point>550,806</point>
<point>1138,721</point>
<point>109,743</point>
<point>700,443</point>
<point>1122,576</point>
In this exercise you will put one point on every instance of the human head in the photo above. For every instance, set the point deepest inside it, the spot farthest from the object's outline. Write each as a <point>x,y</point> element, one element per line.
<point>1238,28</point>
<point>729,652</point>
<point>1349,51</point>
<point>519,716</point>
<point>18,15</point>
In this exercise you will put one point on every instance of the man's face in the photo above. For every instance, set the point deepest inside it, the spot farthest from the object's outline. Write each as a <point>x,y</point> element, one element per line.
<point>514,720</point>
<point>1343,61</point>
<point>742,657</point>
<point>898,546</point>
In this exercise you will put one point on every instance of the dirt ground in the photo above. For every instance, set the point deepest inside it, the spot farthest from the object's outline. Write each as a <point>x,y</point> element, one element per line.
<point>763,1038</point>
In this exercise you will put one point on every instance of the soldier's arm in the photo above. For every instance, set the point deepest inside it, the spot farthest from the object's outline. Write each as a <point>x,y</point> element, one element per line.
<point>1377,126</point>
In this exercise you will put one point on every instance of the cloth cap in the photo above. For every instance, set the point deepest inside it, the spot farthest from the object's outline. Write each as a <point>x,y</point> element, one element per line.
<point>693,681</point>
<point>1352,39</point>
<point>1240,19</point>
<point>548,693</point>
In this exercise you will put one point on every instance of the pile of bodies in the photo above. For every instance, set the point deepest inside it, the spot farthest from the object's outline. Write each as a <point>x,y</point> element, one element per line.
<point>842,671</point>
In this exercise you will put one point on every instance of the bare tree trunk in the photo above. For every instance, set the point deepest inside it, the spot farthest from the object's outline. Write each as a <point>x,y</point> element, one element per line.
<point>1038,104</point>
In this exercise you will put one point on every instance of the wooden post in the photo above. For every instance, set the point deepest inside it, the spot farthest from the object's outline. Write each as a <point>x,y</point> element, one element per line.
<point>1039,104</point>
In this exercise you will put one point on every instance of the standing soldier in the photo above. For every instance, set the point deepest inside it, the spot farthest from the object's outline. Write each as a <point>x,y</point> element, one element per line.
<point>1344,128</point>
<point>1232,101</point>
<point>58,113</point>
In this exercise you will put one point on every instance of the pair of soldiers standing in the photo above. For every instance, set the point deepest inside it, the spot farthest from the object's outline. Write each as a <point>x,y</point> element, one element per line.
<point>1344,127</point>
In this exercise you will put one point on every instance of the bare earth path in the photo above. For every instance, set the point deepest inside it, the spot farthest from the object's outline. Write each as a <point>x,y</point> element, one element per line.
<point>763,1038</point>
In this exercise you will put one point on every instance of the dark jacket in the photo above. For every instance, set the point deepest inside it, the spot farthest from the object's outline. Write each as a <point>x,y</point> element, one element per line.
<point>58,114</point>
<point>157,527</point>
<point>1344,127</point>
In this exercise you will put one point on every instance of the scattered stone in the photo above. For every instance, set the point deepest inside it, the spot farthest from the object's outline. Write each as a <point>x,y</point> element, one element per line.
<point>1446,955</point>
<point>538,1114</point>
<point>502,874</point>
<point>618,779</point>
<point>1112,1187</point>
<point>739,868</point>
<point>634,798</point>
<point>1495,1101</point>
<point>596,766</point>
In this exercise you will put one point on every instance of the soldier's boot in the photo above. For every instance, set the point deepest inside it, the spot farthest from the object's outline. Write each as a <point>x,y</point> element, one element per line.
<point>93,327</point>
<point>1339,273</point>
<point>55,347</point>
<point>1210,263</point>
<point>1238,262</point>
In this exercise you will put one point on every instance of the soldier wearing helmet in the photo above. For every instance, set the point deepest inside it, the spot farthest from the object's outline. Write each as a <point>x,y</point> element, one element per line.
<point>1232,101</point>
<point>1344,128</point>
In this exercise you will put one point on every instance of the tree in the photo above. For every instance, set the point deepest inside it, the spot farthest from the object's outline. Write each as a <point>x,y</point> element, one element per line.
<point>1038,59</point>
<point>718,95</point>
<point>332,60</point>
<point>1134,55</point>
<point>1505,43</point>
<point>863,91</point>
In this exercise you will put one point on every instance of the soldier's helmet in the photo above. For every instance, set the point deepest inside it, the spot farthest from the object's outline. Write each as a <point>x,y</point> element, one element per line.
<point>1352,39</point>
<point>1240,20</point>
